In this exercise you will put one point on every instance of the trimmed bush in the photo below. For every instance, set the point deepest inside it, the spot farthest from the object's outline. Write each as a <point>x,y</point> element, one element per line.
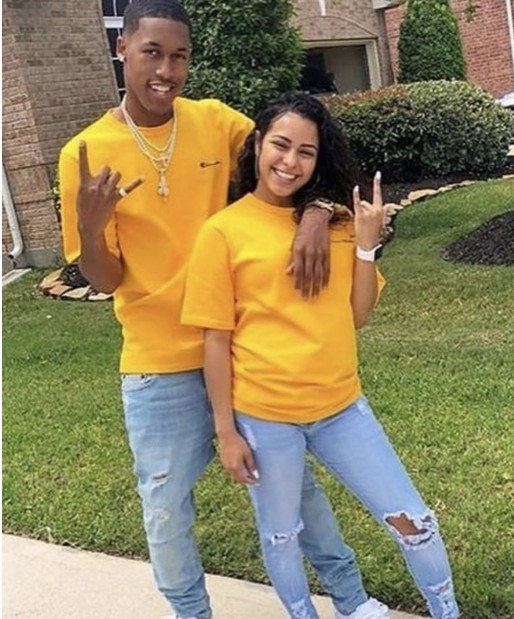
<point>243,52</point>
<point>423,130</point>
<point>430,47</point>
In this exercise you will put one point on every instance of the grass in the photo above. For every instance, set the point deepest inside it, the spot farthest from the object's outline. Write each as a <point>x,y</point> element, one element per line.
<point>437,363</point>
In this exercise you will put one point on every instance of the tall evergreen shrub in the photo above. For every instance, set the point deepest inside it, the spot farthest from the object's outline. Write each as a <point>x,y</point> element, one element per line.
<point>430,47</point>
<point>243,52</point>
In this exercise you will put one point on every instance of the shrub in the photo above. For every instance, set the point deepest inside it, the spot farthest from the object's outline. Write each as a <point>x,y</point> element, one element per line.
<point>429,46</point>
<point>427,129</point>
<point>243,52</point>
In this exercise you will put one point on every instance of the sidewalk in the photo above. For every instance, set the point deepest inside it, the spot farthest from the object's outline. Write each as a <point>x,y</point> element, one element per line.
<point>43,581</point>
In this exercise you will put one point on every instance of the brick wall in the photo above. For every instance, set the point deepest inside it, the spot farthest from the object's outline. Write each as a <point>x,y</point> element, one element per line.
<point>485,40</point>
<point>345,20</point>
<point>57,78</point>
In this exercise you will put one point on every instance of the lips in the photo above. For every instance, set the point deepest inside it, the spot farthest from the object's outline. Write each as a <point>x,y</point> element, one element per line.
<point>161,91</point>
<point>284,176</point>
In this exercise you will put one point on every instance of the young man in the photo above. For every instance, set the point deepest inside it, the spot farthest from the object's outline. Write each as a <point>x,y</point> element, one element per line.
<point>136,186</point>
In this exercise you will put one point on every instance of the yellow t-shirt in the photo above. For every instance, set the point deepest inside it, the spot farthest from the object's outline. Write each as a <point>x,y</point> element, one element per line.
<point>293,360</point>
<point>153,236</point>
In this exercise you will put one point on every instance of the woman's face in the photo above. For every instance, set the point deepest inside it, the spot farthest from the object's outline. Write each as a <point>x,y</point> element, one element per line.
<point>287,156</point>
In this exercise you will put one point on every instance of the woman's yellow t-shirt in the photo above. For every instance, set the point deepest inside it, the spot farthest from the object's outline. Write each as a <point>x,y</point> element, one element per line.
<point>293,360</point>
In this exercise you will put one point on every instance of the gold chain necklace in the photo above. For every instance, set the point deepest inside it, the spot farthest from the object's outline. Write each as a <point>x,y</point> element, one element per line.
<point>159,157</point>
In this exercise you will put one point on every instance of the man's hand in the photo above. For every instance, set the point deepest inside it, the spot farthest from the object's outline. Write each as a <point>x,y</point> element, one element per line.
<point>98,196</point>
<point>237,458</point>
<point>310,263</point>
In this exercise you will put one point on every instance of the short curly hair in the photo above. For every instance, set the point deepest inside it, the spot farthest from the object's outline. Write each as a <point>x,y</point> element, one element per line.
<point>166,9</point>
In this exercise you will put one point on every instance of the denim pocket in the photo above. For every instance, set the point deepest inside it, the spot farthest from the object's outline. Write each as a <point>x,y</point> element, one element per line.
<point>136,382</point>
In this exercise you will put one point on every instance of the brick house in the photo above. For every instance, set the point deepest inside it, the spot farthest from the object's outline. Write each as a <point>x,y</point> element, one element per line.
<point>59,73</point>
<point>488,41</point>
<point>56,78</point>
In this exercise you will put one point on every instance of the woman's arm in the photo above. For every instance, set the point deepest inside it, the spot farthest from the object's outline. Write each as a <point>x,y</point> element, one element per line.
<point>364,291</point>
<point>369,219</point>
<point>235,454</point>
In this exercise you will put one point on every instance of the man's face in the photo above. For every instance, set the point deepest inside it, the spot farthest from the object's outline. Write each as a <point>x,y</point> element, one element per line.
<point>156,61</point>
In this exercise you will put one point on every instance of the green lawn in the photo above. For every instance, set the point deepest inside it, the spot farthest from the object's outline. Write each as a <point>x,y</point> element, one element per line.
<point>437,363</point>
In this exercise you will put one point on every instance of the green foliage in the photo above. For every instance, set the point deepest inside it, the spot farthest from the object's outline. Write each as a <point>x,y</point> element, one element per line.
<point>243,52</point>
<point>430,47</point>
<point>435,361</point>
<point>424,130</point>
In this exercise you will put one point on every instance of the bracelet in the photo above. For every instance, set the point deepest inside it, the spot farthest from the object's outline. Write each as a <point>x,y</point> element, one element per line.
<point>332,207</point>
<point>369,255</point>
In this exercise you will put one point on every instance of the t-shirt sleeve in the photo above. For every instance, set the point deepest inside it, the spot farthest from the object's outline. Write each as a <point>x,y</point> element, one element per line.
<point>239,126</point>
<point>381,282</point>
<point>68,189</point>
<point>209,300</point>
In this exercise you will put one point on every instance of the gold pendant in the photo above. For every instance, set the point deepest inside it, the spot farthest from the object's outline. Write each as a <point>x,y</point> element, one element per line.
<point>163,189</point>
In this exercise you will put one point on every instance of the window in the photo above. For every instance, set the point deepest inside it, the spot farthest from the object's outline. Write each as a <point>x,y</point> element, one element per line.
<point>113,21</point>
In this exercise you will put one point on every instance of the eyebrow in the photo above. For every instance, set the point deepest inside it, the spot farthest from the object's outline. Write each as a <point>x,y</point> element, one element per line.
<point>154,44</point>
<point>283,137</point>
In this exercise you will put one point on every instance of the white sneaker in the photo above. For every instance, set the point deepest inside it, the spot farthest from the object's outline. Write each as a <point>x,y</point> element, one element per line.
<point>372,609</point>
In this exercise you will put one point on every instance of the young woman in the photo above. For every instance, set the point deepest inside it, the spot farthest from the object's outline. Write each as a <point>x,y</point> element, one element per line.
<point>281,371</point>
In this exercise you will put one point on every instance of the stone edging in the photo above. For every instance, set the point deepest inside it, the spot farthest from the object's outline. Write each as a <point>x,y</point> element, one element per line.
<point>53,286</point>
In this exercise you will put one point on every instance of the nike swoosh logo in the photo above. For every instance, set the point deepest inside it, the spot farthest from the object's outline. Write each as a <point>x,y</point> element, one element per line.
<point>208,164</point>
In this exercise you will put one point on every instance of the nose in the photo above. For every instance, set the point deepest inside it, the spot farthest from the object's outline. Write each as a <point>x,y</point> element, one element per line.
<point>166,69</point>
<point>290,158</point>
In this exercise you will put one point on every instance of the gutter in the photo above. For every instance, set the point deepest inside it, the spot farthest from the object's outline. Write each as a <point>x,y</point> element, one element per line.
<point>12,219</point>
<point>510,22</point>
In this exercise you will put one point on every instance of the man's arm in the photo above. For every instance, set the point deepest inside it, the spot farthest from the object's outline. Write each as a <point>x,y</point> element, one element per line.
<point>310,259</point>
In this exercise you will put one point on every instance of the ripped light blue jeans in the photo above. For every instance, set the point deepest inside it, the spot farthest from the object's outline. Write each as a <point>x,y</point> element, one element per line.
<point>170,430</point>
<point>353,446</point>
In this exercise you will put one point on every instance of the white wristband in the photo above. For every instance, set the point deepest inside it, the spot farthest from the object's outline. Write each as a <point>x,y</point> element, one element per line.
<point>367,255</point>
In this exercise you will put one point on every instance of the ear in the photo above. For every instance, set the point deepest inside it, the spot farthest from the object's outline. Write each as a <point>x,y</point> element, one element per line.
<point>121,48</point>
<point>258,142</point>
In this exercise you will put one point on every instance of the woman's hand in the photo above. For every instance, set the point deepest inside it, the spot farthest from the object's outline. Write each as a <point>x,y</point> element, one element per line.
<point>369,217</point>
<point>237,458</point>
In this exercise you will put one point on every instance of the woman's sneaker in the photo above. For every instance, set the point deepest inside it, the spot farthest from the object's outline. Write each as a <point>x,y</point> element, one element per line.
<point>372,609</point>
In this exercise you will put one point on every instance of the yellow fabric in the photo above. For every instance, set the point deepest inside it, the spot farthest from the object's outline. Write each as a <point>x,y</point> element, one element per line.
<point>153,236</point>
<point>293,360</point>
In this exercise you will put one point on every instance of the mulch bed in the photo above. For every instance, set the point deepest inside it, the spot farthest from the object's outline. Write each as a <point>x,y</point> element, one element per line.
<point>492,243</point>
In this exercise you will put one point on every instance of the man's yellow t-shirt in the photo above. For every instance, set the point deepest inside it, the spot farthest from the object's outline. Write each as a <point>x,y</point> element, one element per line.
<point>293,360</point>
<point>151,235</point>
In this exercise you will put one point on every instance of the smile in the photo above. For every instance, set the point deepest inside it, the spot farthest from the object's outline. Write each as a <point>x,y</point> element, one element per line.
<point>162,89</point>
<point>284,175</point>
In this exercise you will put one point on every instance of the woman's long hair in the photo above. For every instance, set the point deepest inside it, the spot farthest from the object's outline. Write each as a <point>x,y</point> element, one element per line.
<point>336,172</point>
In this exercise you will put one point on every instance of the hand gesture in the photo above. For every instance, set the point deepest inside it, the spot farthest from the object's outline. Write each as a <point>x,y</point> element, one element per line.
<point>98,195</point>
<point>369,217</point>
<point>237,459</point>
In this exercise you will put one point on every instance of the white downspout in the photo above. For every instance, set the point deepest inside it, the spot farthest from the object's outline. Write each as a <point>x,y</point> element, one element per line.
<point>510,21</point>
<point>14,226</point>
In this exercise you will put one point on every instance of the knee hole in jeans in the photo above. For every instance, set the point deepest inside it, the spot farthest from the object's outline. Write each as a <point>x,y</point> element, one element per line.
<point>446,599</point>
<point>278,539</point>
<point>413,532</point>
